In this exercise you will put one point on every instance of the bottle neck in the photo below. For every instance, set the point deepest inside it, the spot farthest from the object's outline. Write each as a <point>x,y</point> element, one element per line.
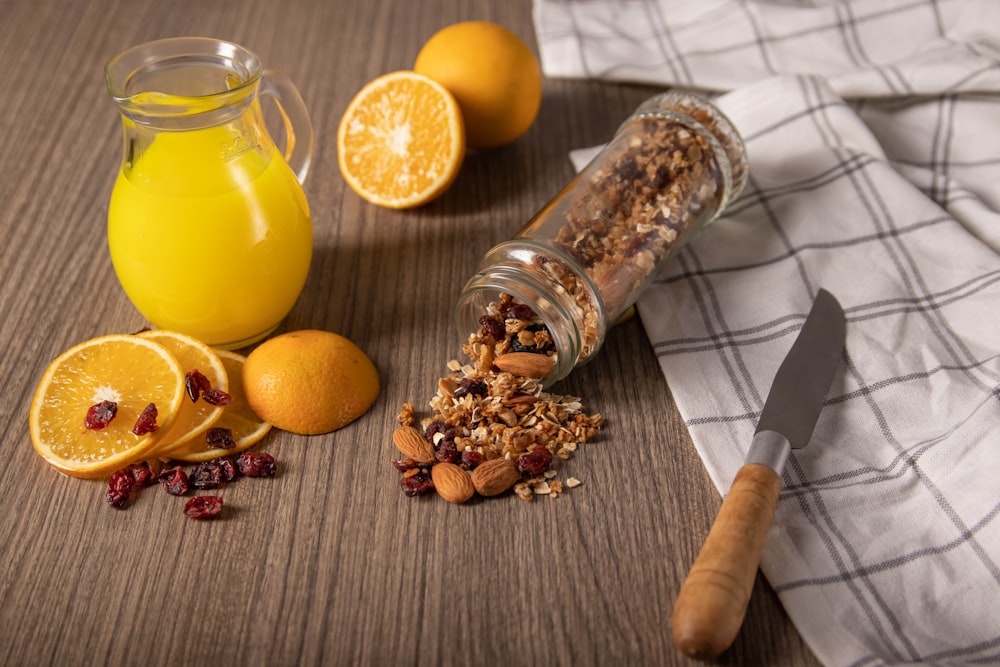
<point>536,276</point>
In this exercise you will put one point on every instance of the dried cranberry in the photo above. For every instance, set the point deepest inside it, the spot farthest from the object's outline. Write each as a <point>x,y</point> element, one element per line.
<point>628,170</point>
<point>195,382</point>
<point>120,487</point>
<point>471,458</point>
<point>447,430</point>
<point>520,311</point>
<point>227,468</point>
<point>493,327</point>
<point>203,507</point>
<point>446,452</point>
<point>535,461</point>
<point>256,464</point>
<point>217,397</point>
<point>207,475</point>
<point>402,465</point>
<point>220,438</point>
<point>418,484</point>
<point>661,178</point>
<point>146,423</point>
<point>470,386</point>
<point>100,415</point>
<point>141,474</point>
<point>175,481</point>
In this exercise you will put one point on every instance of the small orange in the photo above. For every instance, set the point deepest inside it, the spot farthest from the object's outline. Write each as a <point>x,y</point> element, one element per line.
<point>247,428</point>
<point>194,417</point>
<point>309,381</point>
<point>493,74</point>
<point>401,141</point>
<point>129,371</point>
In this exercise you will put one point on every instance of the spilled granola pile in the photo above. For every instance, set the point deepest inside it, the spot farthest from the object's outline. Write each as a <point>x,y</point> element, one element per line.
<point>493,426</point>
<point>493,419</point>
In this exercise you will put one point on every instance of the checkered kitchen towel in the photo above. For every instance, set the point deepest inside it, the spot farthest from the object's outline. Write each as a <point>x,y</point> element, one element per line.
<point>873,130</point>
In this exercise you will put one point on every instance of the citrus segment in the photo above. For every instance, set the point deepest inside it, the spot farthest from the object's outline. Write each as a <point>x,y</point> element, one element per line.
<point>309,382</point>
<point>247,429</point>
<point>194,417</point>
<point>129,371</point>
<point>492,74</point>
<point>401,140</point>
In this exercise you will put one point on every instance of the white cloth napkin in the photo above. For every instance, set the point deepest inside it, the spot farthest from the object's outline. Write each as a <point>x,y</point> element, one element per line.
<point>873,131</point>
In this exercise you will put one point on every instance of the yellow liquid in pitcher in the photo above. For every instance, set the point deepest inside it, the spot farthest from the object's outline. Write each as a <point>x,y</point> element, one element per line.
<point>210,235</point>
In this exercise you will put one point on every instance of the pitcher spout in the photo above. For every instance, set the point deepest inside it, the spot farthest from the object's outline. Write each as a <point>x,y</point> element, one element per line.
<point>183,83</point>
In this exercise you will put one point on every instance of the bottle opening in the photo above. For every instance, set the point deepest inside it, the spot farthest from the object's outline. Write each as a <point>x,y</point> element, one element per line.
<point>511,269</point>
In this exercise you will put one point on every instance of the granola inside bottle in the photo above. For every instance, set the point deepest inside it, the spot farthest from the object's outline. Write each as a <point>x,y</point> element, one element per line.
<point>587,255</point>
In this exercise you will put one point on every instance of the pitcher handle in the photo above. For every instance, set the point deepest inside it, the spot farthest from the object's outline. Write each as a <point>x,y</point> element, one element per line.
<point>298,128</point>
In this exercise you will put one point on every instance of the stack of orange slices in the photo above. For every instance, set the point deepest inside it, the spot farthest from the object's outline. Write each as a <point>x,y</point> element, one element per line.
<point>132,372</point>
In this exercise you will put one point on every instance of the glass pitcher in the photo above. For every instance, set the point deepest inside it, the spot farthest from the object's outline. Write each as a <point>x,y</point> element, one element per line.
<point>208,226</point>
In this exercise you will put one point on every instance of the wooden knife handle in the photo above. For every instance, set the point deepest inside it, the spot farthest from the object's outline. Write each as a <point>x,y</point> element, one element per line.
<point>713,600</point>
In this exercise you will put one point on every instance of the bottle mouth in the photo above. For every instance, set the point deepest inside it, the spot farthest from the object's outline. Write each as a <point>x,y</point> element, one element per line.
<point>511,268</point>
<point>480,292</point>
<point>181,76</point>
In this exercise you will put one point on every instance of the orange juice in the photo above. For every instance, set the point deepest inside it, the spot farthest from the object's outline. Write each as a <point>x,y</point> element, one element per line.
<point>210,233</point>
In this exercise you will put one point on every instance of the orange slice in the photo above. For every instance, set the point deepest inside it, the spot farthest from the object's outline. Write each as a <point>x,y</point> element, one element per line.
<point>246,427</point>
<point>401,140</point>
<point>128,370</point>
<point>194,417</point>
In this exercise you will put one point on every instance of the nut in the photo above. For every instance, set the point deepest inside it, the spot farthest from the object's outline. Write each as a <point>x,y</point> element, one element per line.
<point>520,399</point>
<point>447,386</point>
<point>411,443</point>
<point>451,482</point>
<point>493,477</point>
<point>508,417</point>
<point>525,364</point>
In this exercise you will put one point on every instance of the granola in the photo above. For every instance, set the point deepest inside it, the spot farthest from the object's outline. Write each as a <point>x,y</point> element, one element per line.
<point>631,210</point>
<point>481,413</point>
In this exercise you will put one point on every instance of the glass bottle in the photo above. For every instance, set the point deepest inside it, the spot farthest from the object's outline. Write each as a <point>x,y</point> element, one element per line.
<point>587,255</point>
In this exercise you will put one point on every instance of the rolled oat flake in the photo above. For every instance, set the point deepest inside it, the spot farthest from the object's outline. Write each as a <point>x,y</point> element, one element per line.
<point>587,255</point>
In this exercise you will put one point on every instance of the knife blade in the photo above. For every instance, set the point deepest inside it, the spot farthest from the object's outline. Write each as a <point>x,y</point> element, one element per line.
<point>713,600</point>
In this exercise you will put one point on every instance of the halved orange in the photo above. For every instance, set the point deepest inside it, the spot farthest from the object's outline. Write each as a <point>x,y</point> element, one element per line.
<point>401,140</point>
<point>310,381</point>
<point>246,428</point>
<point>130,371</point>
<point>194,417</point>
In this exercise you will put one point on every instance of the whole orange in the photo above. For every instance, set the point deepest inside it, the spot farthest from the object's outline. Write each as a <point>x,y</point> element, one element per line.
<point>493,74</point>
<point>309,381</point>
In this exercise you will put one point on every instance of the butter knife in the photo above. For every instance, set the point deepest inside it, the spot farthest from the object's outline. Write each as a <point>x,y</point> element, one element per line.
<point>713,600</point>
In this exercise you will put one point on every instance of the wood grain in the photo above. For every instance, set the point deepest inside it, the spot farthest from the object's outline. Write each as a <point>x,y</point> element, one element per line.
<point>329,563</point>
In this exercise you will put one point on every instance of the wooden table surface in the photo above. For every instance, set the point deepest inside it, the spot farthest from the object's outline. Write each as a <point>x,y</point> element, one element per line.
<point>329,563</point>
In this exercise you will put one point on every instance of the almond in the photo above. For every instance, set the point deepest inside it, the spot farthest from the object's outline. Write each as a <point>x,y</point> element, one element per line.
<point>526,364</point>
<point>447,386</point>
<point>410,442</point>
<point>520,399</point>
<point>451,482</point>
<point>493,477</point>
